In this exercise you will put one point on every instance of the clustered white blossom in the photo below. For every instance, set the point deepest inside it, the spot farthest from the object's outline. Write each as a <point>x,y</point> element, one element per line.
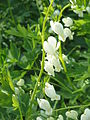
<point>50,92</point>
<point>44,104</point>
<point>72,115</point>
<point>63,33</point>
<point>51,60</point>
<point>77,10</point>
<point>51,46</point>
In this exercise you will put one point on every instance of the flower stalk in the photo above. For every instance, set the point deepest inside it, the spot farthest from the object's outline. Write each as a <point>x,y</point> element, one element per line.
<point>64,66</point>
<point>60,48</point>
<point>73,107</point>
<point>42,64</point>
<point>65,7</point>
<point>11,13</point>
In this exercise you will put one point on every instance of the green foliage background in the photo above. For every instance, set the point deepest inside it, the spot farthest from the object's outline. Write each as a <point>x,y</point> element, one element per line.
<point>20,55</point>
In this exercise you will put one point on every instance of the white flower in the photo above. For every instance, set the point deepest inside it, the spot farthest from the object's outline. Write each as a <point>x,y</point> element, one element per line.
<point>72,114</point>
<point>63,33</point>
<point>50,92</point>
<point>50,30</point>
<point>52,64</point>
<point>73,1</point>
<point>67,21</point>
<point>51,46</point>
<point>68,33</point>
<point>56,12</point>
<point>41,7</point>
<point>49,68</point>
<point>75,8</point>
<point>38,118</point>
<point>88,9</point>
<point>60,117</point>
<point>79,12</point>
<point>51,60</point>
<point>50,118</point>
<point>86,115</point>
<point>20,82</point>
<point>54,61</point>
<point>44,104</point>
<point>65,58</point>
<point>58,29</point>
<point>16,90</point>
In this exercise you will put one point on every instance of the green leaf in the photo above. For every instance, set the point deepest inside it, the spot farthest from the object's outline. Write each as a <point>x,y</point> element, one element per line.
<point>15,52</point>
<point>10,81</point>
<point>15,102</point>
<point>5,98</point>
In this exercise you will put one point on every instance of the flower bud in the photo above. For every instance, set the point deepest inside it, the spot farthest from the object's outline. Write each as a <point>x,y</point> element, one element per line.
<point>20,82</point>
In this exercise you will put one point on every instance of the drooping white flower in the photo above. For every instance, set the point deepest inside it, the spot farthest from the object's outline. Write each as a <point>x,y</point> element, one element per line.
<point>50,30</point>
<point>86,115</point>
<point>79,12</point>
<point>63,33</point>
<point>20,82</point>
<point>72,114</point>
<point>51,45</point>
<point>60,117</point>
<point>68,33</point>
<point>75,8</point>
<point>50,92</point>
<point>67,21</point>
<point>38,118</point>
<point>65,58</point>
<point>88,9</point>
<point>56,12</point>
<point>49,68</point>
<point>16,90</point>
<point>54,61</point>
<point>52,64</point>
<point>58,29</point>
<point>50,118</point>
<point>73,1</point>
<point>44,104</point>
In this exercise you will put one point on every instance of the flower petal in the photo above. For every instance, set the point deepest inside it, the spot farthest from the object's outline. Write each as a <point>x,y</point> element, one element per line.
<point>48,48</point>
<point>52,41</point>
<point>49,68</point>
<point>67,21</point>
<point>57,28</point>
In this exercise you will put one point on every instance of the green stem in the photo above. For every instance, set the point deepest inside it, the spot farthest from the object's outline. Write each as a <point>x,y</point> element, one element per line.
<point>77,46</point>
<point>60,48</point>
<point>43,58</point>
<point>58,81</point>
<point>64,66</point>
<point>20,113</point>
<point>72,107</point>
<point>85,3</point>
<point>65,7</point>
<point>11,12</point>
